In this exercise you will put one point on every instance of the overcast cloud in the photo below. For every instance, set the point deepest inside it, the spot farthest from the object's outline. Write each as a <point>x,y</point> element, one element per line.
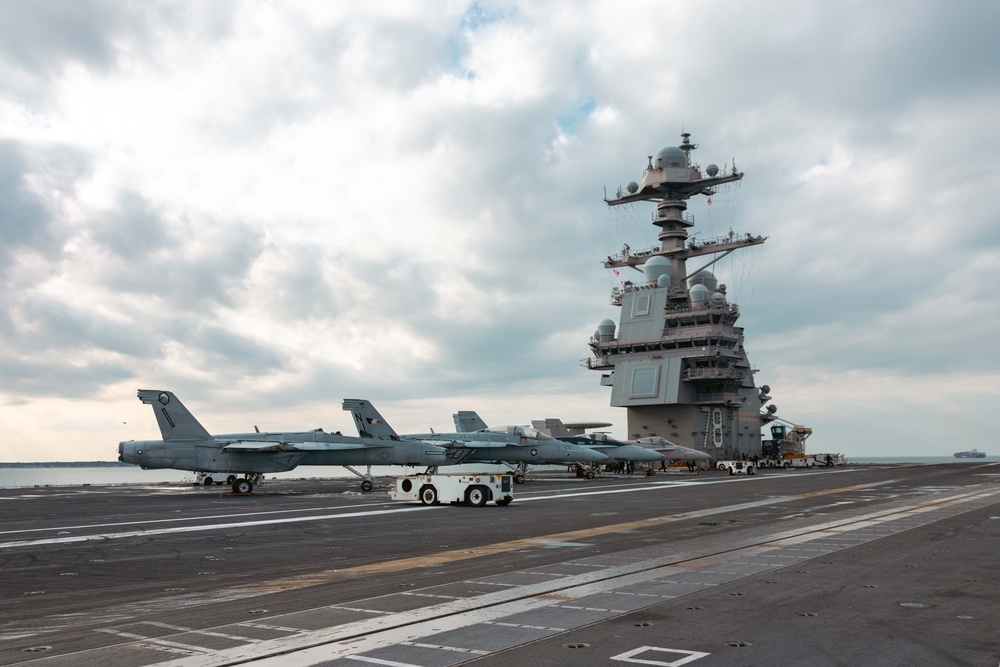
<point>268,207</point>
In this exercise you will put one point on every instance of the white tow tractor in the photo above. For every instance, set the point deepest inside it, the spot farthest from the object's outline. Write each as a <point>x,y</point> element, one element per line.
<point>737,467</point>
<point>474,489</point>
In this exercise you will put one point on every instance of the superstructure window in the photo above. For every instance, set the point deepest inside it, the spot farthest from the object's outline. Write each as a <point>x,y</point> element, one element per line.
<point>640,305</point>
<point>645,381</point>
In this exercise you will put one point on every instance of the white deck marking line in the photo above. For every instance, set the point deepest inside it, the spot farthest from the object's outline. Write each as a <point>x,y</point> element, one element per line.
<point>209,633</point>
<point>188,649</point>
<point>376,661</point>
<point>186,518</point>
<point>457,649</point>
<point>689,656</point>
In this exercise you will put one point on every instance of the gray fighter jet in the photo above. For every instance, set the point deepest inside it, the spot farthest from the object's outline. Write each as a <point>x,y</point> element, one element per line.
<point>671,450</point>
<point>521,445</point>
<point>616,450</point>
<point>186,445</point>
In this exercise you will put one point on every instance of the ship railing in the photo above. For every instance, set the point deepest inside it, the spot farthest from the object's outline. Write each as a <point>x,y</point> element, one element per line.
<point>686,217</point>
<point>719,398</point>
<point>627,252</point>
<point>713,373</point>
<point>732,237</point>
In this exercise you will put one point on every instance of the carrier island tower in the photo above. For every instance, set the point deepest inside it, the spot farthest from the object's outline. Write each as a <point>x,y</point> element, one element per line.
<point>677,361</point>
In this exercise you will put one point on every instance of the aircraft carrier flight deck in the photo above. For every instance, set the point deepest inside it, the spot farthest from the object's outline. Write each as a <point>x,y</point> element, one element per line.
<point>852,565</point>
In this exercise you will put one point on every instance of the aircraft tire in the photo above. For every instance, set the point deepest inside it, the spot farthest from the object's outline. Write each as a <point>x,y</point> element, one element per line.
<point>519,478</point>
<point>650,472</point>
<point>366,486</point>
<point>477,496</point>
<point>208,481</point>
<point>243,487</point>
<point>503,502</point>
<point>428,495</point>
<point>590,474</point>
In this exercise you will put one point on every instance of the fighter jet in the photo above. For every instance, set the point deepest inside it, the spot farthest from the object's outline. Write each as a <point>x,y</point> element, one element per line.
<point>521,445</point>
<point>186,445</point>
<point>616,450</point>
<point>671,450</point>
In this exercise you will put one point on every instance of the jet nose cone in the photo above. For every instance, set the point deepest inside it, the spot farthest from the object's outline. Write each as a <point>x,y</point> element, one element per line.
<point>594,456</point>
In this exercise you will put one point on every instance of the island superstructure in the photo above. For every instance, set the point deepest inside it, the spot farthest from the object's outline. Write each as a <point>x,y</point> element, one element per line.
<point>677,362</point>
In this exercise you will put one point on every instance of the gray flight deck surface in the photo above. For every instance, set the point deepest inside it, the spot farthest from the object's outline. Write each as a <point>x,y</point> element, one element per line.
<point>857,565</point>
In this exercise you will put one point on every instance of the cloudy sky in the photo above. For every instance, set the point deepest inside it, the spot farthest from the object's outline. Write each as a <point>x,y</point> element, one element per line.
<point>270,206</point>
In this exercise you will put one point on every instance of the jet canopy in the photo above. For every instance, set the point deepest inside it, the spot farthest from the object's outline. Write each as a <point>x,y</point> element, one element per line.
<point>520,431</point>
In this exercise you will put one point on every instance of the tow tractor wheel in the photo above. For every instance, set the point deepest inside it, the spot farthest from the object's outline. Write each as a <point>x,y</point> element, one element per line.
<point>366,485</point>
<point>230,480</point>
<point>502,502</point>
<point>732,472</point>
<point>518,478</point>
<point>242,486</point>
<point>428,495</point>
<point>208,481</point>
<point>477,496</point>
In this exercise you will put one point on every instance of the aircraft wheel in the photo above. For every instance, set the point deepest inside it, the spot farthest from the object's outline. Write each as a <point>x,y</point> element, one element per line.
<point>428,495</point>
<point>590,474</point>
<point>242,486</point>
<point>230,480</point>
<point>519,478</point>
<point>503,502</point>
<point>650,472</point>
<point>477,495</point>
<point>208,481</point>
<point>366,485</point>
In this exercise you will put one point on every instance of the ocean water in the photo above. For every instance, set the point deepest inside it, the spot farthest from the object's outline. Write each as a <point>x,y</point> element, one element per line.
<point>102,476</point>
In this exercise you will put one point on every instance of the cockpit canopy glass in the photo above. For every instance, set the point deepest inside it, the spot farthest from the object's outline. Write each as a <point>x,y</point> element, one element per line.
<point>520,431</point>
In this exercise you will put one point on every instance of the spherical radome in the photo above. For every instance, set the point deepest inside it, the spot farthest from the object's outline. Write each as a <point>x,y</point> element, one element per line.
<point>671,156</point>
<point>706,278</point>
<point>700,294</point>
<point>655,267</point>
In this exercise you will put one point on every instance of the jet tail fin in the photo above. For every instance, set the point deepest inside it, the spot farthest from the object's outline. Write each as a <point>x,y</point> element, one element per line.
<point>368,420</point>
<point>467,421</point>
<point>175,421</point>
<point>553,427</point>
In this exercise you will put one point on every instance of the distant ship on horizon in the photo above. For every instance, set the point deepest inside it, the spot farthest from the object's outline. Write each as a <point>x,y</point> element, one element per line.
<point>971,454</point>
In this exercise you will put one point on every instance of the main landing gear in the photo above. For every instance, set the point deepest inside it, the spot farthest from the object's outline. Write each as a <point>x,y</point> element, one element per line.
<point>244,486</point>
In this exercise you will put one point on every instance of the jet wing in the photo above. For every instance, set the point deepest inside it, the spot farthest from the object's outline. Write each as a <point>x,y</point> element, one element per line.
<point>468,444</point>
<point>254,446</point>
<point>262,446</point>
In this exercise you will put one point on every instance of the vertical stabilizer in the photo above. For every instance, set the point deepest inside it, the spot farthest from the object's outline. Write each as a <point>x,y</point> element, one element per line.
<point>369,422</point>
<point>467,421</point>
<point>174,420</point>
<point>553,427</point>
